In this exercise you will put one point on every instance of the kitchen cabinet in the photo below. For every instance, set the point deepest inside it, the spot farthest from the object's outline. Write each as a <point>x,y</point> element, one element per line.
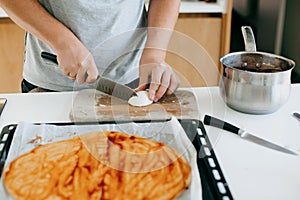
<point>204,26</point>
<point>11,56</point>
<point>208,37</point>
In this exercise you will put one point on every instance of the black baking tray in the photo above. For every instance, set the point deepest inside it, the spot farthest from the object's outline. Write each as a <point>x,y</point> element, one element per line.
<point>213,182</point>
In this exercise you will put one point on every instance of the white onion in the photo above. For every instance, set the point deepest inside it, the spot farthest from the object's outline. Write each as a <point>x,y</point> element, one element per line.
<point>140,100</point>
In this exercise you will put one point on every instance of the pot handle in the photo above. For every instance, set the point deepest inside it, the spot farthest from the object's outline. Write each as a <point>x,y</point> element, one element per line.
<point>248,38</point>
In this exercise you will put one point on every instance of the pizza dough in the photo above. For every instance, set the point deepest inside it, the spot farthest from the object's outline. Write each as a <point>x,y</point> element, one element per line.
<point>140,100</point>
<point>99,165</point>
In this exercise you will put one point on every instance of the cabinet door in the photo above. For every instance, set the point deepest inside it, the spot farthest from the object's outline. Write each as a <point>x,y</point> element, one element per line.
<point>194,49</point>
<point>11,56</point>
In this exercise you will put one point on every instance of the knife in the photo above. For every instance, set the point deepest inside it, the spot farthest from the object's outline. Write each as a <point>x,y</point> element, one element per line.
<point>209,120</point>
<point>103,84</point>
<point>296,115</point>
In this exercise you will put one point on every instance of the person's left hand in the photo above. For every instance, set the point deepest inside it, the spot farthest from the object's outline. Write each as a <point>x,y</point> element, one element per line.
<point>163,79</point>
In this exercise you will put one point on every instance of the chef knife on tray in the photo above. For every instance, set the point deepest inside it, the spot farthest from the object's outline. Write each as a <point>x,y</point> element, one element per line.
<point>212,121</point>
<point>103,84</point>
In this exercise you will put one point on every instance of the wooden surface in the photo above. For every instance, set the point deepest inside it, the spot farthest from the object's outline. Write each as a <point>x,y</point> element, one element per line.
<point>11,56</point>
<point>91,105</point>
<point>194,49</point>
<point>226,29</point>
<point>212,33</point>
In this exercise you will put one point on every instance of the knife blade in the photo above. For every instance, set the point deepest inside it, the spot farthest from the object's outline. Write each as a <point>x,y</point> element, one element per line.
<point>218,123</point>
<point>103,84</point>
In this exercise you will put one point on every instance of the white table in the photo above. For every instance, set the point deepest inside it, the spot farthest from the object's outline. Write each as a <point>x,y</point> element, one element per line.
<point>252,171</point>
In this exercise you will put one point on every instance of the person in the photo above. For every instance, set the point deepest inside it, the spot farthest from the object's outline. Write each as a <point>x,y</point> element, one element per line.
<point>91,38</point>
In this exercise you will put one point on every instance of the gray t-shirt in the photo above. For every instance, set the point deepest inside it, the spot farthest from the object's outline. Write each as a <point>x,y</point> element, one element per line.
<point>113,31</point>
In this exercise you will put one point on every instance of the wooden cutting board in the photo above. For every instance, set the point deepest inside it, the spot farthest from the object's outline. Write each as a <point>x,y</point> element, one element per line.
<point>91,105</point>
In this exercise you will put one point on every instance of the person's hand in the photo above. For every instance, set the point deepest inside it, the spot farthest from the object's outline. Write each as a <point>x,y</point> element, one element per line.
<point>163,79</point>
<point>78,64</point>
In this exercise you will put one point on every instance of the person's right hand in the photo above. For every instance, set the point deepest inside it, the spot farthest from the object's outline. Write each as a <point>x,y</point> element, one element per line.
<point>78,64</point>
<point>73,57</point>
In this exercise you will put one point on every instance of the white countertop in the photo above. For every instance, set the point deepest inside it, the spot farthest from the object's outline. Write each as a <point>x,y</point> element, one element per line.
<point>191,6</point>
<point>252,171</point>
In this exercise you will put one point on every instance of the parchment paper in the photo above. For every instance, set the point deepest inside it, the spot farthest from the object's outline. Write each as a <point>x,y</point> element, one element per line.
<point>28,136</point>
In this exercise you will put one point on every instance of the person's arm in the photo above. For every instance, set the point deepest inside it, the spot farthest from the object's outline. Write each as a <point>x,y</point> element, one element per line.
<point>73,57</point>
<point>162,16</point>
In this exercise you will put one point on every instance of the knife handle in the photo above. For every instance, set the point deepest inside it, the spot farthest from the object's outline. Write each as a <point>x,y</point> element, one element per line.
<point>49,56</point>
<point>297,115</point>
<point>209,120</point>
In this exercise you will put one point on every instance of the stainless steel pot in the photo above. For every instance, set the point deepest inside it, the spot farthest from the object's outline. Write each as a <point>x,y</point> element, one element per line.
<point>255,82</point>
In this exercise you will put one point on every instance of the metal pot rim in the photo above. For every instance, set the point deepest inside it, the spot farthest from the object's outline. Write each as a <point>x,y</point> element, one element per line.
<point>290,62</point>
